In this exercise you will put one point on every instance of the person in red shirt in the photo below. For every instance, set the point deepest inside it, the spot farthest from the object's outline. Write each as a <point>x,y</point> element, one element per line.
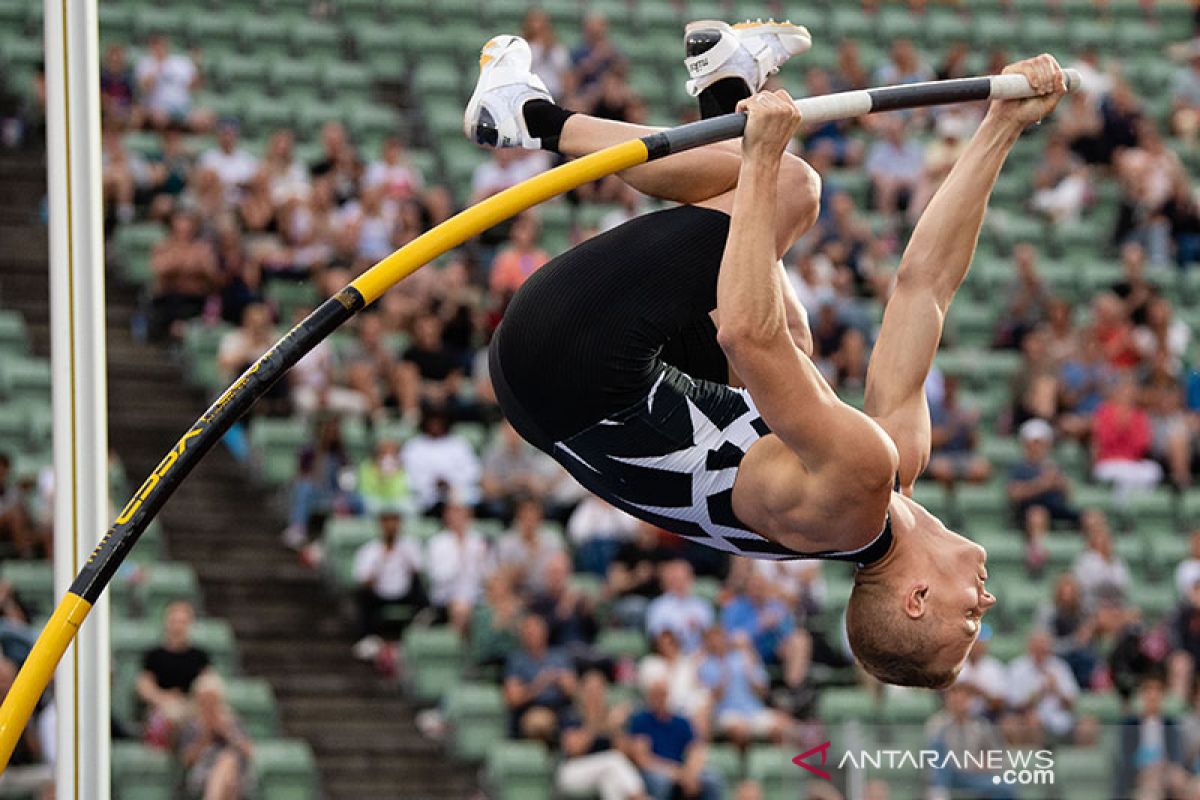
<point>1121,437</point>
<point>520,259</point>
<point>1111,329</point>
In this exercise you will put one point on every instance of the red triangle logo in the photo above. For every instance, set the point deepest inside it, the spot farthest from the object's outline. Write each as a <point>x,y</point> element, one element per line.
<point>800,761</point>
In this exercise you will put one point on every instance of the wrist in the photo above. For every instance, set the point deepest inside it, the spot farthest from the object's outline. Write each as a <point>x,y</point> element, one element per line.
<point>1002,125</point>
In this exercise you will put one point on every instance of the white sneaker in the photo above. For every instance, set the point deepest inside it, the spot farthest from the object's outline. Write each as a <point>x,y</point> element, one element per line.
<point>752,51</point>
<point>506,82</point>
<point>367,648</point>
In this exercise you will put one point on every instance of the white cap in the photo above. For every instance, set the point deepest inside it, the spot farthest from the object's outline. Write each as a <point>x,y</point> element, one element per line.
<point>1037,429</point>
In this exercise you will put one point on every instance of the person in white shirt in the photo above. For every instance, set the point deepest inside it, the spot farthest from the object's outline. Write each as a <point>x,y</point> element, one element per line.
<point>987,677</point>
<point>439,462</point>
<point>507,167</point>
<point>387,573</point>
<point>233,165</point>
<point>1042,686</point>
<point>681,671</point>
<point>1188,571</point>
<point>1101,573</point>
<point>165,81</point>
<point>525,550</point>
<point>458,560</point>
<point>399,178</point>
<point>678,609</point>
<point>597,528</point>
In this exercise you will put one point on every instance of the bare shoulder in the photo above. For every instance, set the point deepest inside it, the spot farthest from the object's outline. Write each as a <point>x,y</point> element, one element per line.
<point>781,499</point>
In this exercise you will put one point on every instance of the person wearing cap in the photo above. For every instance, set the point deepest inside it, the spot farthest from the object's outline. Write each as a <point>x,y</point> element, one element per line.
<point>1038,490</point>
<point>387,574</point>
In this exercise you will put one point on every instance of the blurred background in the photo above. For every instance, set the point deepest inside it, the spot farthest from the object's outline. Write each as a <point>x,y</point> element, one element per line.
<point>376,589</point>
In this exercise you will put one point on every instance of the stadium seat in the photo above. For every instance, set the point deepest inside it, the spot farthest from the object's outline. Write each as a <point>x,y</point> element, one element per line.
<point>33,582</point>
<point>286,770</point>
<point>14,340</point>
<point>622,643</point>
<point>843,705</point>
<point>772,767</point>
<point>434,657</point>
<point>1082,773</point>
<point>309,38</point>
<point>254,703</point>
<point>1104,706</point>
<point>479,719</point>
<point>140,772</point>
<point>519,771</point>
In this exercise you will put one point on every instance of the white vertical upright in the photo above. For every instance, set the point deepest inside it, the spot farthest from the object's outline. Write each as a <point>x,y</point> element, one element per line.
<point>81,511</point>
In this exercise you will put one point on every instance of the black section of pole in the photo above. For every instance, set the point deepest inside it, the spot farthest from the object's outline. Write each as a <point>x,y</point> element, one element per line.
<point>694,134</point>
<point>931,93</point>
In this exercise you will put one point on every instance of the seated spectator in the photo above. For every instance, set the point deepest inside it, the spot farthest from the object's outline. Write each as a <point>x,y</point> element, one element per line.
<point>1072,627</point>
<point>759,615</point>
<point>1111,331</point>
<point>592,744</point>
<point>1135,290</point>
<point>184,269</point>
<point>233,165</point>
<point>894,163</point>
<point>286,175</point>
<point>737,682</point>
<point>665,748</point>
<point>398,176</point>
<point>1182,212</point>
<point>904,65</point>
<point>506,168</point>
<point>953,130</point>
<point>1062,336</point>
<point>1188,571</point>
<point>551,60</point>
<point>430,371</point>
<point>539,684</point>
<point>678,609</point>
<point>957,729</point>
<point>1101,573</point>
<point>118,92</point>
<point>457,559</point>
<point>1027,299</point>
<point>987,678</point>
<point>496,622</point>
<point>1060,183</point>
<point>595,55</point>
<point>520,258</point>
<point>1171,431</point>
<point>1185,93</point>
<point>1162,338</point>
<point>440,463</point>
<point>1150,759</point>
<point>214,748</point>
<point>633,575</point>
<point>382,482</point>
<point>1035,390</point>
<point>829,138</point>
<point>15,523</point>
<point>317,490</point>
<point>245,344</point>
<point>839,349</point>
<point>1084,379</point>
<point>168,673</point>
<point>387,572</point>
<point>165,82</point>
<point>955,437</point>
<point>1121,438</point>
<point>512,467</point>
<point>1043,690</point>
<point>1038,491</point>
<point>596,530</point>
<point>569,613</point>
<point>681,671</point>
<point>526,549</point>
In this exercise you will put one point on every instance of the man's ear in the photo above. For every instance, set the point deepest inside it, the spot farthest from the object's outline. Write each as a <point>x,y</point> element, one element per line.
<point>916,601</point>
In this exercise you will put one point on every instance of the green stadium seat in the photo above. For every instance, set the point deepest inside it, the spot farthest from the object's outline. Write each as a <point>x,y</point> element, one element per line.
<point>309,38</point>
<point>435,658</point>
<point>26,379</point>
<point>253,700</point>
<point>519,771</point>
<point>772,767</point>
<point>1151,511</point>
<point>943,26</point>
<point>983,500</point>
<point>838,705</point>
<point>263,35</point>
<point>288,296</point>
<point>479,719</point>
<point>140,772</point>
<point>1082,773</point>
<point>1007,647</point>
<point>372,121</point>
<point>212,32</point>
<point>622,642</point>
<point>152,19</point>
<point>283,73</point>
<point>910,708</point>
<point>168,582</point>
<point>725,760</point>
<point>1104,706</point>
<point>993,30</point>
<point>286,770</point>
<point>33,582</point>
<point>1002,451</point>
<point>1156,599</point>
<point>896,22</point>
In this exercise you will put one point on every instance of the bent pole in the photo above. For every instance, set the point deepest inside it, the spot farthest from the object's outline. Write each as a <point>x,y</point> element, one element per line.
<point>235,401</point>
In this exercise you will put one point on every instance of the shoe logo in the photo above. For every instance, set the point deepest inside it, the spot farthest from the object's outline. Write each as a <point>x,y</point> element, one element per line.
<point>800,761</point>
<point>696,66</point>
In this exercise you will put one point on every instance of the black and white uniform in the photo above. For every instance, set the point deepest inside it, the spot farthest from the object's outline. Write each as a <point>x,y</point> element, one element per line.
<point>607,359</point>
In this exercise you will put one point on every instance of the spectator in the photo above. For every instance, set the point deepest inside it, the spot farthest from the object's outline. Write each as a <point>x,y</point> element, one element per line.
<point>528,547</point>
<point>168,673</point>
<point>1101,573</point>
<point>1150,760</point>
<point>1134,289</point>
<point>1111,331</point>
<point>496,622</point>
<point>30,769</point>
<point>457,559</point>
<point>569,613</point>
<point>1027,299</point>
<point>1060,184</point>
<point>15,523</point>
<point>1185,641</point>
<point>1043,689</point>
<point>1183,214</point>
<point>987,678</point>
<point>399,178</point>
<point>440,463</point>
<point>733,674</point>
<point>597,530</point>
<point>665,748</point>
<point>429,371</point>
<point>1072,627</point>
<point>506,168</point>
<point>539,684</point>
<point>166,81</point>
<point>520,259</point>
<point>955,437</point>
<point>387,572</point>
<point>551,61</point>
<point>1035,389</point>
<point>904,65</point>
<point>953,130</point>
<point>593,57</point>
<point>382,482</point>
<point>118,95</point>
<point>317,491</point>
<point>956,729</point>
<point>667,662</point>
<point>1185,93</point>
<point>678,609</point>
<point>1038,491</point>
<point>839,349</point>
<point>1162,338</point>
<point>244,345</point>
<point>1171,432</point>
<point>633,575</point>
<point>184,269</point>
<point>512,468</point>
<point>829,138</point>
<point>234,166</point>
<point>1188,571</point>
<point>287,177</point>
<point>592,741</point>
<point>894,163</point>
<point>1121,438</point>
<point>215,751</point>
<point>770,626</point>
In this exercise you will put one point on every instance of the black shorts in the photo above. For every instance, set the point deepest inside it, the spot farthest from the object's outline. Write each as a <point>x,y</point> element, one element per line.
<point>587,335</point>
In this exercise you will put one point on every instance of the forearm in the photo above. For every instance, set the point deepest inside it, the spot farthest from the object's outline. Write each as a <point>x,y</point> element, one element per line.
<point>944,239</point>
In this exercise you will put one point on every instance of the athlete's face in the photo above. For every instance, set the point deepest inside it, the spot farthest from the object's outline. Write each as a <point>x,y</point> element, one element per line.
<point>956,597</point>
